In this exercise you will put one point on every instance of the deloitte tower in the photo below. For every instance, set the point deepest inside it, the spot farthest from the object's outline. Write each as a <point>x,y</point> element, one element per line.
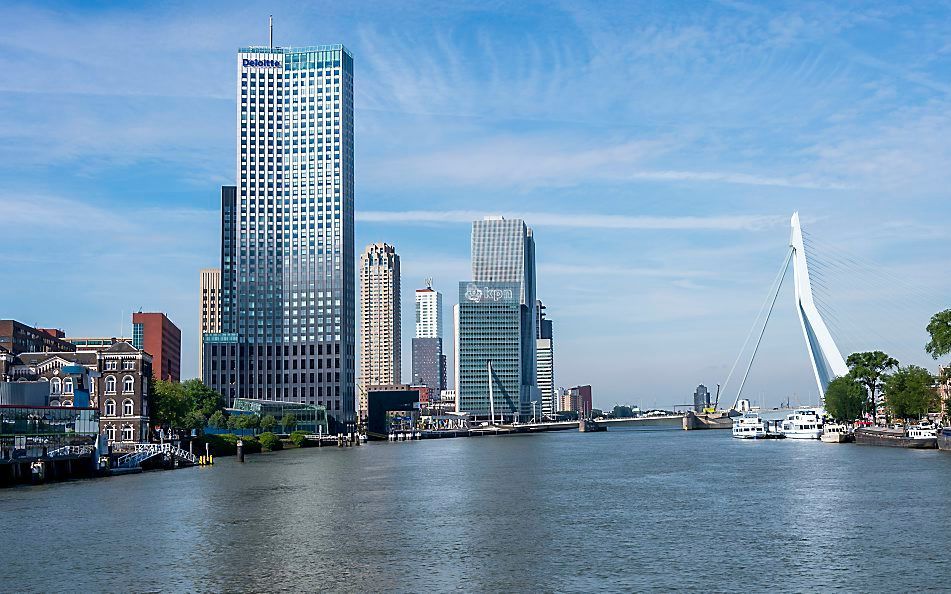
<point>287,270</point>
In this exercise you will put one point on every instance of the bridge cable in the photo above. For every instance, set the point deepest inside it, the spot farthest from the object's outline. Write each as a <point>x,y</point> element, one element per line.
<point>765,323</point>
<point>749,335</point>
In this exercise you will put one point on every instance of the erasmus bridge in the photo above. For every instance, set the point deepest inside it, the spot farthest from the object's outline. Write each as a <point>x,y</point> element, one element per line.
<point>821,302</point>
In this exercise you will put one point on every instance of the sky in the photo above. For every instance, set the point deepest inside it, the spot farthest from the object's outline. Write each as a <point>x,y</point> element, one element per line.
<point>657,149</point>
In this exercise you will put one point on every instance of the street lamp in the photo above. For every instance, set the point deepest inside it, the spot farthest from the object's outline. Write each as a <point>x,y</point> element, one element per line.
<point>534,402</point>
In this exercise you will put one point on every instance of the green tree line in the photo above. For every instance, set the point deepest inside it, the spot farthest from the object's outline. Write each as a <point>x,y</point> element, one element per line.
<point>909,392</point>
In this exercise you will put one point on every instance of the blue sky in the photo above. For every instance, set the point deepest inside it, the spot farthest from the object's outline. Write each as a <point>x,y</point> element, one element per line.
<point>657,148</point>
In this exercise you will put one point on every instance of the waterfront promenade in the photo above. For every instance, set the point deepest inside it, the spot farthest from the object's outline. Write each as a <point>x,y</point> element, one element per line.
<point>622,510</point>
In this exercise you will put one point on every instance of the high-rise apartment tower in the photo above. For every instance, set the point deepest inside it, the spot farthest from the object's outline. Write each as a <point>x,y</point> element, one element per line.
<point>380,329</point>
<point>209,307</point>
<point>429,362</point>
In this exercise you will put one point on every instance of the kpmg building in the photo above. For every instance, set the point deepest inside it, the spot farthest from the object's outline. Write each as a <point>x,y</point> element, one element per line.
<point>287,270</point>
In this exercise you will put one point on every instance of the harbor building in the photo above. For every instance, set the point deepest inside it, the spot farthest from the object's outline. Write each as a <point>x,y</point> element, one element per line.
<point>158,336</point>
<point>116,382</point>
<point>288,299</point>
<point>380,328</point>
<point>209,321</point>
<point>311,418</point>
<point>545,364</point>
<point>429,361</point>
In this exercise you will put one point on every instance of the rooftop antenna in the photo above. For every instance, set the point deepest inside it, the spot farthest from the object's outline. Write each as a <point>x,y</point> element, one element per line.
<point>270,31</point>
<point>429,283</point>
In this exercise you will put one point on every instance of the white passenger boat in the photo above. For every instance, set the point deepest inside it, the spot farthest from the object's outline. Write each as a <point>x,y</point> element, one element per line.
<point>803,424</point>
<point>749,426</point>
<point>923,431</point>
<point>833,433</point>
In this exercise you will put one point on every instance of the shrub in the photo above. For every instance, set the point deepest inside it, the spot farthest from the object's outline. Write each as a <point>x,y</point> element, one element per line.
<point>269,441</point>
<point>299,438</point>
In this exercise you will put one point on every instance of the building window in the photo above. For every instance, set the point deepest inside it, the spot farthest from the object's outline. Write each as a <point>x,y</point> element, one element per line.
<point>67,403</point>
<point>111,432</point>
<point>128,365</point>
<point>112,365</point>
<point>127,433</point>
<point>110,408</point>
<point>68,386</point>
<point>128,385</point>
<point>54,403</point>
<point>127,408</point>
<point>111,385</point>
<point>56,385</point>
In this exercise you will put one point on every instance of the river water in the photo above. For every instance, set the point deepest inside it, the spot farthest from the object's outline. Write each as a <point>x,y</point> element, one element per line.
<point>622,510</point>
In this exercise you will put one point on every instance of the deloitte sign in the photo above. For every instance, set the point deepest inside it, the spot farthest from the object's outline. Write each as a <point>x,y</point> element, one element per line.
<point>261,63</point>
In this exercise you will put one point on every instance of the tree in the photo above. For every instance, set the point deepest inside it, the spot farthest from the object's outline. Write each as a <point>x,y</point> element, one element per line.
<point>169,404</point>
<point>202,398</point>
<point>289,422</point>
<point>845,399</point>
<point>250,421</point>
<point>870,369</point>
<point>940,330</point>
<point>194,420</point>
<point>910,393</point>
<point>234,422</point>
<point>268,422</point>
<point>218,419</point>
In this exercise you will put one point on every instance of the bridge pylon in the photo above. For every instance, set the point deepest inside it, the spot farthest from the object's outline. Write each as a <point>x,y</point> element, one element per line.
<point>827,362</point>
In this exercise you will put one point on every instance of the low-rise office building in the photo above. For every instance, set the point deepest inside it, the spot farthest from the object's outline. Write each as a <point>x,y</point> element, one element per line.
<point>311,418</point>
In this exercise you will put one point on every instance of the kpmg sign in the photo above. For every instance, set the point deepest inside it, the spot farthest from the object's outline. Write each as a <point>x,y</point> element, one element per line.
<point>489,292</point>
<point>261,63</point>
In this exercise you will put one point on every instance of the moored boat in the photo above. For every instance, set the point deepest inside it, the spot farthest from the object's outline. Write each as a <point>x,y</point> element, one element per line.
<point>896,438</point>
<point>833,433</point>
<point>749,426</point>
<point>803,424</point>
<point>944,439</point>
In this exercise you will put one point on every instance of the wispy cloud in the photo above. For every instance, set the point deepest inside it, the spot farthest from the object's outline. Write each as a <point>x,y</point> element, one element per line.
<point>584,221</point>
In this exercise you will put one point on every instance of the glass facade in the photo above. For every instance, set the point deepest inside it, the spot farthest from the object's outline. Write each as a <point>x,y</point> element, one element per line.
<point>503,251</point>
<point>310,418</point>
<point>490,329</point>
<point>287,245</point>
<point>37,431</point>
<point>137,335</point>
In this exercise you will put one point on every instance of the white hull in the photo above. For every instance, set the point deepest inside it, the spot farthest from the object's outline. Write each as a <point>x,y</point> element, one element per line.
<point>803,434</point>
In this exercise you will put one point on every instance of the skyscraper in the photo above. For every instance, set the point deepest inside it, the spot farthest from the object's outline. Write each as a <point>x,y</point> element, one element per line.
<point>429,362</point>
<point>545,362</point>
<point>380,329</point>
<point>209,306</point>
<point>495,320</point>
<point>288,302</point>
<point>503,251</point>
